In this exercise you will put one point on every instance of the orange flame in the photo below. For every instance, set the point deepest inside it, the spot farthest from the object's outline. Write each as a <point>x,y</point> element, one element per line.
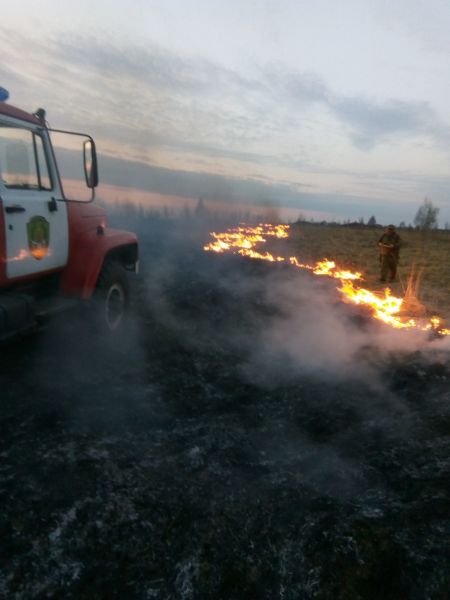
<point>241,240</point>
<point>384,306</point>
<point>23,254</point>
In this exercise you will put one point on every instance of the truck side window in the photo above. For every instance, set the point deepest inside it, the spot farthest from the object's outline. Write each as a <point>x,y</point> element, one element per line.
<point>24,163</point>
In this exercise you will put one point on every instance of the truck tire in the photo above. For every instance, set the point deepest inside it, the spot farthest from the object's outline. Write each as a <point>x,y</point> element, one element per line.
<point>112,298</point>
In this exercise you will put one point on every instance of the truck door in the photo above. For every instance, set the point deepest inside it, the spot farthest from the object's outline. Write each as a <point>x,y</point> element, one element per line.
<point>35,216</point>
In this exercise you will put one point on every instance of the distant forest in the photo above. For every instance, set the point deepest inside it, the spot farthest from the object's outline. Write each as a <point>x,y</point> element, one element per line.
<point>204,215</point>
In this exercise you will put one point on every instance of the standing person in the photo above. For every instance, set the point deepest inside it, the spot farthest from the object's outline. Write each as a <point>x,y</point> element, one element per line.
<point>389,245</point>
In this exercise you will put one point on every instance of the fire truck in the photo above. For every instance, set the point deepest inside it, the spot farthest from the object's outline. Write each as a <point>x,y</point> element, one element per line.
<point>56,251</point>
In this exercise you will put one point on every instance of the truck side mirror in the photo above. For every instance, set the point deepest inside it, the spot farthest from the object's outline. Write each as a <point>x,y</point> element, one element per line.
<point>90,163</point>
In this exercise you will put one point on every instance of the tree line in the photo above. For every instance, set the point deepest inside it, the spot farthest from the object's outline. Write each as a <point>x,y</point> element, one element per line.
<point>425,219</point>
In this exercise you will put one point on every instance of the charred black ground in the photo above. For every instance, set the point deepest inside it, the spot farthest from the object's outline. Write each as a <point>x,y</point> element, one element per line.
<point>179,463</point>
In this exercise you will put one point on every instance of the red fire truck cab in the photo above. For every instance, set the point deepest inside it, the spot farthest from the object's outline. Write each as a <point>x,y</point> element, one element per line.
<point>54,250</point>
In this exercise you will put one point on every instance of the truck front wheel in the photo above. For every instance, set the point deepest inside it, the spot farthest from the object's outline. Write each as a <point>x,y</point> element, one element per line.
<point>112,297</point>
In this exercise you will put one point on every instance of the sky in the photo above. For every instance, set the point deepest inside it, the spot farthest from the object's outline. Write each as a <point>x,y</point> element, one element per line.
<point>335,110</point>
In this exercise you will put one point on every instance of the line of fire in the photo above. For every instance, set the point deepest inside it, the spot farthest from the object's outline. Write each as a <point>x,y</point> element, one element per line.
<point>247,241</point>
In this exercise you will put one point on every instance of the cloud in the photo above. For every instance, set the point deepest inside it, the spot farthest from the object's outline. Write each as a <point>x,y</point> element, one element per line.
<point>151,96</point>
<point>217,189</point>
<point>369,121</point>
<point>185,113</point>
<point>373,122</point>
<point>230,189</point>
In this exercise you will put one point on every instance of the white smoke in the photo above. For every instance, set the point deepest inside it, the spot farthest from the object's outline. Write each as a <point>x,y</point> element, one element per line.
<point>314,332</point>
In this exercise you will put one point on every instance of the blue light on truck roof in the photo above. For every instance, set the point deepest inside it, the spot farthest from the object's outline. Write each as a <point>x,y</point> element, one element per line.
<point>4,94</point>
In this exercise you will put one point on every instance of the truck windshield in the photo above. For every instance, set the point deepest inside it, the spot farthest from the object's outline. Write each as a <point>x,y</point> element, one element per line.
<point>23,162</point>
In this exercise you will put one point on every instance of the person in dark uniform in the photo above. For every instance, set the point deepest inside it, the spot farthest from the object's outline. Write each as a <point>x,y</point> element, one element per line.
<point>389,246</point>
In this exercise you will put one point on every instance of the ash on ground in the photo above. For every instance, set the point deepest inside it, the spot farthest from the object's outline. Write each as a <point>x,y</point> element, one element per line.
<point>205,454</point>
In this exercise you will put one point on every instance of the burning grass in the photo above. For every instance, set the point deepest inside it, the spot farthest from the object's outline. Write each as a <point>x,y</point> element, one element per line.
<point>423,255</point>
<point>391,309</point>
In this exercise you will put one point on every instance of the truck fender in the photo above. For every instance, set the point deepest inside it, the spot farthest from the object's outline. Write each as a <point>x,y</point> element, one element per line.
<point>88,254</point>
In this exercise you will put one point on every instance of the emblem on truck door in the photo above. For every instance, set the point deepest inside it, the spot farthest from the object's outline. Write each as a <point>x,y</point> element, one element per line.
<point>38,230</point>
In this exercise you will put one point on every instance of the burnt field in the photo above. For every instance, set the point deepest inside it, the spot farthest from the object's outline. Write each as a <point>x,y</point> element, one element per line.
<point>250,436</point>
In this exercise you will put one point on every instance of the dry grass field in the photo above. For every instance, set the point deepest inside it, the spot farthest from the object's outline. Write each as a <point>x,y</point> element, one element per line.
<point>426,254</point>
